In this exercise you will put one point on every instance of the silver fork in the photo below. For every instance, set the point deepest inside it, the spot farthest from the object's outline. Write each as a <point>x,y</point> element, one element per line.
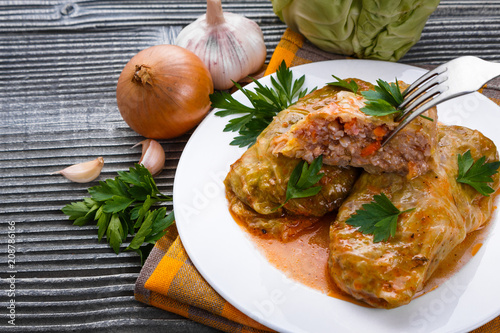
<point>455,78</point>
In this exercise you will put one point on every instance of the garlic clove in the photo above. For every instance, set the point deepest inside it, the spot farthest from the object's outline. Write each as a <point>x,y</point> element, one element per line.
<point>231,45</point>
<point>83,172</point>
<point>153,156</point>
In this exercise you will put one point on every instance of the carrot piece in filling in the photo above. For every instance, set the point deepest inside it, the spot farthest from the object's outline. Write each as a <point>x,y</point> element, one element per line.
<point>370,149</point>
<point>379,132</point>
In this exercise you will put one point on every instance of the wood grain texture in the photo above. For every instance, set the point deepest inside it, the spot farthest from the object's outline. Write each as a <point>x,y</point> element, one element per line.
<point>59,63</point>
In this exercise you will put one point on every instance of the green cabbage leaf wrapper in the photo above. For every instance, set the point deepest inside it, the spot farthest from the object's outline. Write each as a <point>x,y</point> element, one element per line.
<point>374,29</point>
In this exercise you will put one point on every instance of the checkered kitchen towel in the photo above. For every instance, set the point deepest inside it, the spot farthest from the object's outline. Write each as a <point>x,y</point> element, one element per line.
<point>170,281</point>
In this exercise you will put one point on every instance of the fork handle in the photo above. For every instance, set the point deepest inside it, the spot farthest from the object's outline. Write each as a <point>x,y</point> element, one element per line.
<point>481,71</point>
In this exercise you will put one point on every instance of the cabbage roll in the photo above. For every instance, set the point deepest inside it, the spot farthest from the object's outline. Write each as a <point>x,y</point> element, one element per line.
<point>474,207</point>
<point>345,135</point>
<point>387,274</point>
<point>256,183</point>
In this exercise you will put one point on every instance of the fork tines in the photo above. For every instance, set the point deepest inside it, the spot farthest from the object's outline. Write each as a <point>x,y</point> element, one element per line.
<point>422,90</point>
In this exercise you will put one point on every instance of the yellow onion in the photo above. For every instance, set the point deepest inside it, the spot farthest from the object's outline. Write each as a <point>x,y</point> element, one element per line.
<point>163,91</point>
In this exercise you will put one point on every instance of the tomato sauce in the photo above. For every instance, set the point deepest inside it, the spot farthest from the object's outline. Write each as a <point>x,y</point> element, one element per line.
<point>305,258</point>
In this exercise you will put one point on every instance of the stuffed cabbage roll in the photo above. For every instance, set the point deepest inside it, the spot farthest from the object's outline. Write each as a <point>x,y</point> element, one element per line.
<point>387,274</point>
<point>474,207</point>
<point>345,135</point>
<point>256,183</point>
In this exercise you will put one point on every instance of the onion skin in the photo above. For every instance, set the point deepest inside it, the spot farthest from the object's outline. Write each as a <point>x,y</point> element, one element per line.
<point>163,91</point>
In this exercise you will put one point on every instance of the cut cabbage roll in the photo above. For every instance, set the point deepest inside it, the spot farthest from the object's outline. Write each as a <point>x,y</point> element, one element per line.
<point>344,135</point>
<point>256,183</point>
<point>387,274</point>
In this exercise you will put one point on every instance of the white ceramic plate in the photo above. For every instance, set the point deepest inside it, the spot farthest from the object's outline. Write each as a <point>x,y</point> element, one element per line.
<point>231,264</point>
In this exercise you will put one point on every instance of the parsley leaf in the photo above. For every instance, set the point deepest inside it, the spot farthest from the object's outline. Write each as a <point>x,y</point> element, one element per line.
<point>390,91</point>
<point>122,207</point>
<point>115,233</point>
<point>379,108</point>
<point>380,102</point>
<point>380,218</point>
<point>266,103</point>
<point>152,228</point>
<point>384,100</point>
<point>302,180</point>
<point>476,173</point>
<point>351,85</point>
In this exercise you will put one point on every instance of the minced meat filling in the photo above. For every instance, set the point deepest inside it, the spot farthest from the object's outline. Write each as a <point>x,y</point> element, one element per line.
<point>353,141</point>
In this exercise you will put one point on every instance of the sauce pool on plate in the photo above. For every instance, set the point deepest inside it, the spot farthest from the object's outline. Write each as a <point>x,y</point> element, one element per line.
<point>305,258</point>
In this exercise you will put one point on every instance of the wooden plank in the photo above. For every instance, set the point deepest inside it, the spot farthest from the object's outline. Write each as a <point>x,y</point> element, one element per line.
<point>95,14</point>
<point>59,63</point>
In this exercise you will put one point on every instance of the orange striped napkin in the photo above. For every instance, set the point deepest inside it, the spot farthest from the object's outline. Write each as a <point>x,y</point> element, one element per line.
<point>170,281</point>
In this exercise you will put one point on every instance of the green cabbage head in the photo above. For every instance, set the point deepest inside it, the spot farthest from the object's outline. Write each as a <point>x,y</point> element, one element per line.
<point>375,29</point>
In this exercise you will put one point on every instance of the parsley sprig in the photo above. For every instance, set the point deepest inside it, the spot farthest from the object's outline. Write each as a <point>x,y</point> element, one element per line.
<point>476,173</point>
<point>302,180</point>
<point>382,101</point>
<point>123,206</point>
<point>266,102</point>
<point>351,85</point>
<point>379,217</point>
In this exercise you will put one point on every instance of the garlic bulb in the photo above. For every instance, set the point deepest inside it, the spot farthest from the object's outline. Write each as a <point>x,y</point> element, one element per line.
<point>83,172</point>
<point>153,156</point>
<point>230,45</point>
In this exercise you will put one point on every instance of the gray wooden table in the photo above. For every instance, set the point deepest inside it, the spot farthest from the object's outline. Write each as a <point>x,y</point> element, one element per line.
<point>59,64</point>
